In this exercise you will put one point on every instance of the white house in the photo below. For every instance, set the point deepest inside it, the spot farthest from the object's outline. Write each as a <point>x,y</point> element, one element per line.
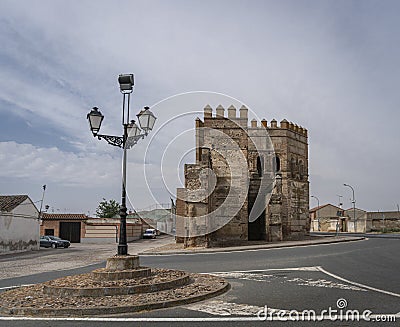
<point>19,224</point>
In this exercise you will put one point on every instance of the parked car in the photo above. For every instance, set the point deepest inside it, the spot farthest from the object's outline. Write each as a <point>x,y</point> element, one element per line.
<point>54,242</point>
<point>150,233</point>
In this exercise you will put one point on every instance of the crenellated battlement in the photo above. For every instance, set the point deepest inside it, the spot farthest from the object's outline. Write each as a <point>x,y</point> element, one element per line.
<point>273,159</point>
<point>242,117</point>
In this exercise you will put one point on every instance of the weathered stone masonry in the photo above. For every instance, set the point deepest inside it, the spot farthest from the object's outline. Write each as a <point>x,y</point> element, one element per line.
<point>276,164</point>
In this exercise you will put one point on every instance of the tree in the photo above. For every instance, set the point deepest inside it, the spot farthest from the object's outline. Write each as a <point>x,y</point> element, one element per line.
<point>107,209</point>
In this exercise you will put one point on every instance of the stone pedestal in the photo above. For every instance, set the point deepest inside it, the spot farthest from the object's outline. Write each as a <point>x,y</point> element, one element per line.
<point>122,262</point>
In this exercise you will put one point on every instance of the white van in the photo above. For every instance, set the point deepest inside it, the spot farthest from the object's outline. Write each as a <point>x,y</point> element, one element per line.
<point>150,233</point>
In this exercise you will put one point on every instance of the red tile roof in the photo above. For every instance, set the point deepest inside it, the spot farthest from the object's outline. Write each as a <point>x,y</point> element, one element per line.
<point>323,206</point>
<point>64,216</point>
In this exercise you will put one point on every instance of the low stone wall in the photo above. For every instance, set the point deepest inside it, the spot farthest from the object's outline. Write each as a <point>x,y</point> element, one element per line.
<point>385,224</point>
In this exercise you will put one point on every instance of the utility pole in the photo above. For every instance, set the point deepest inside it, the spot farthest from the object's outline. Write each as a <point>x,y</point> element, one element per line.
<point>41,203</point>
<point>340,200</point>
<point>383,222</point>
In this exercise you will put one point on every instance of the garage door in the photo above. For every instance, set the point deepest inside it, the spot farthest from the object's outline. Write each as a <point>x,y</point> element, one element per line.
<point>71,231</point>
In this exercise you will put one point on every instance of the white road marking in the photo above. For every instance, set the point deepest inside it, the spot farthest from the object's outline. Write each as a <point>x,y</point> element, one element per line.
<point>205,319</point>
<point>314,268</point>
<point>267,278</point>
<point>222,308</point>
<point>324,283</point>
<point>357,284</point>
<point>247,276</point>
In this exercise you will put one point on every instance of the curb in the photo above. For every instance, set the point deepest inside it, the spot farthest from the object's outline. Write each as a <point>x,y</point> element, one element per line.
<point>105,275</point>
<point>110,291</point>
<point>49,312</point>
<point>256,247</point>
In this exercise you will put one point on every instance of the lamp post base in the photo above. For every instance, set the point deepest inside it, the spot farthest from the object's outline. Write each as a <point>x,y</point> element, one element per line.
<point>118,263</point>
<point>122,249</point>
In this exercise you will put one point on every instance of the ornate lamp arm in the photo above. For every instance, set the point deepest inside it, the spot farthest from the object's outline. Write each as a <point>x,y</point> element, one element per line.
<point>112,139</point>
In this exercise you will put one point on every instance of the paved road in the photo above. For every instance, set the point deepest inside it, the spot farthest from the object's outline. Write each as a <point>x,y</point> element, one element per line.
<point>369,235</point>
<point>361,276</point>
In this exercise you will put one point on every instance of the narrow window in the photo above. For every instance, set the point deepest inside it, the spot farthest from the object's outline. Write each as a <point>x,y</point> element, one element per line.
<point>293,167</point>
<point>277,164</point>
<point>301,167</point>
<point>260,166</point>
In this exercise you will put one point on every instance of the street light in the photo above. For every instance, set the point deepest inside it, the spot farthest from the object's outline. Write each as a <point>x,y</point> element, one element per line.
<point>317,210</point>
<point>131,135</point>
<point>354,207</point>
<point>146,120</point>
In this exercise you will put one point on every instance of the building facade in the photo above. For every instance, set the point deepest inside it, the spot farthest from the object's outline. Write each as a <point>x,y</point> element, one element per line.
<point>19,224</point>
<point>68,226</point>
<point>330,218</point>
<point>79,228</point>
<point>249,182</point>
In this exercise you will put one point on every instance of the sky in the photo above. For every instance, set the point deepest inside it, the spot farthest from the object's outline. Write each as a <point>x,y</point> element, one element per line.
<point>330,66</point>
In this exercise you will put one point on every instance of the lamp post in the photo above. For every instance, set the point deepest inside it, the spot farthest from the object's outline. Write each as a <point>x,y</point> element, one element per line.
<point>317,210</point>
<point>340,213</point>
<point>131,135</point>
<point>354,207</point>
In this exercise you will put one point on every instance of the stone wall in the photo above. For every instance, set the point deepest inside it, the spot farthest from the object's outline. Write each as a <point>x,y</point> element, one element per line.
<point>384,221</point>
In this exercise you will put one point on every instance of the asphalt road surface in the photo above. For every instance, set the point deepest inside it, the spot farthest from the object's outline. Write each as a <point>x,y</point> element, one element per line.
<point>334,281</point>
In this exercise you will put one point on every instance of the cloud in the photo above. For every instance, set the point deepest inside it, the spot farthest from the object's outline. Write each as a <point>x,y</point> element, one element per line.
<point>83,170</point>
<point>330,67</point>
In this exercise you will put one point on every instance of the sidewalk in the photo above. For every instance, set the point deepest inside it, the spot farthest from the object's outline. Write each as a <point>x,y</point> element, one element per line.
<point>170,249</point>
<point>78,255</point>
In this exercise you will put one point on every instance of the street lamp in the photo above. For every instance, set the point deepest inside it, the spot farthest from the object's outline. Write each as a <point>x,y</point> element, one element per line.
<point>354,207</point>
<point>317,210</point>
<point>131,135</point>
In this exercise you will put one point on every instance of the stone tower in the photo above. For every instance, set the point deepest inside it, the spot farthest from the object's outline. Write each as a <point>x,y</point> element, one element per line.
<point>248,182</point>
